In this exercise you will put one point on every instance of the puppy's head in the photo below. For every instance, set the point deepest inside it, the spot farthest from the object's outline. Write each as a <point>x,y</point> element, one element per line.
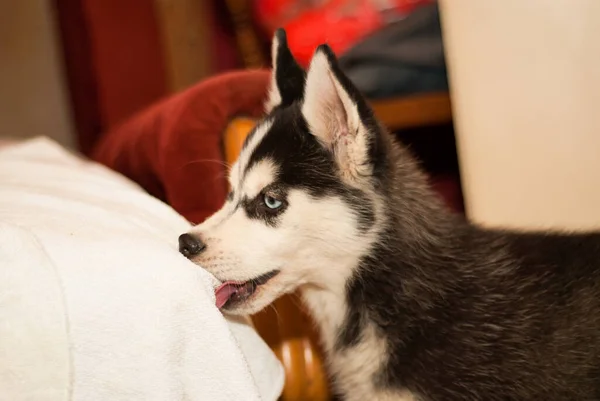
<point>303,207</point>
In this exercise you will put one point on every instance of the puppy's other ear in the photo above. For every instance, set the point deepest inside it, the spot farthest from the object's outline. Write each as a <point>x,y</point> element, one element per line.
<point>339,116</point>
<point>287,79</point>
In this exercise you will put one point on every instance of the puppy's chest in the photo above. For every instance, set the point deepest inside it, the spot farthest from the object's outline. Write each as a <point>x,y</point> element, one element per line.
<point>356,371</point>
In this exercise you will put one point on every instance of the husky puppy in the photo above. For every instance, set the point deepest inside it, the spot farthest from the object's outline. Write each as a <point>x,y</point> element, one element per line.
<point>412,302</point>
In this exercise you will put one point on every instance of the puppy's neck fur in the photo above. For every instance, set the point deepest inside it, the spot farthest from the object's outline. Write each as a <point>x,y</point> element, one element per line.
<point>431,223</point>
<point>396,240</point>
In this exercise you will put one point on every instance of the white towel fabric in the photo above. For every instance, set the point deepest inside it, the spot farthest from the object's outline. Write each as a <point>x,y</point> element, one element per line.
<point>96,303</point>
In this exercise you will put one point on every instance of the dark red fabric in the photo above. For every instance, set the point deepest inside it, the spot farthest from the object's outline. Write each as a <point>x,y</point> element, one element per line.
<point>447,186</point>
<point>114,62</point>
<point>174,148</point>
<point>127,56</point>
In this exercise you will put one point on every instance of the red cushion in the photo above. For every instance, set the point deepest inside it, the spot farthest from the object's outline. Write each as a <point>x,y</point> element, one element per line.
<point>174,149</point>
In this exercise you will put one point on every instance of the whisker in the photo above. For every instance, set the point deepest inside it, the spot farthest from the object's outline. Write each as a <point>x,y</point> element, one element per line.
<point>297,302</point>
<point>216,161</point>
<point>277,316</point>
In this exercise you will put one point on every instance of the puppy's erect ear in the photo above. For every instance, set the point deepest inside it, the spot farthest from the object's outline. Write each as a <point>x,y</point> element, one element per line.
<point>339,116</point>
<point>287,79</point>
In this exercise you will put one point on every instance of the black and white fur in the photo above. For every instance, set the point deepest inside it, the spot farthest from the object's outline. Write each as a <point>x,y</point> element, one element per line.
<point>412,302</point>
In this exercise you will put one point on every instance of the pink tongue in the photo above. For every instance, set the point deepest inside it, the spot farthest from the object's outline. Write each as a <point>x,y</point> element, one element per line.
<point>224,292</point>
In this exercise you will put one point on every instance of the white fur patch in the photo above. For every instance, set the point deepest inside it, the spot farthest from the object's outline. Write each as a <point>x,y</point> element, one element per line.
<point>258,177</point>
<point>350,368</point>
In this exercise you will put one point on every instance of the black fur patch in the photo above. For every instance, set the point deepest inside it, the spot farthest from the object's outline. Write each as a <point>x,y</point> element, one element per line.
<point>290,77</point>
<point>350,333</point>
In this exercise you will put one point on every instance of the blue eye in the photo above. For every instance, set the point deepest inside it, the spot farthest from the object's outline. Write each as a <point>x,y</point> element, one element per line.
<point>271,202</point>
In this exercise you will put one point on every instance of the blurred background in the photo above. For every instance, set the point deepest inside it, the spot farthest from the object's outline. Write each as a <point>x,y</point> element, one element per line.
<point>498,99</point>
<point>74,69</point>
<point>96,62</point>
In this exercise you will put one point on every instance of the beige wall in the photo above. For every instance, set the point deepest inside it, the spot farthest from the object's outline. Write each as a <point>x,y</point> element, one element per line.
<point>33,98</point>
<point>525,83</point>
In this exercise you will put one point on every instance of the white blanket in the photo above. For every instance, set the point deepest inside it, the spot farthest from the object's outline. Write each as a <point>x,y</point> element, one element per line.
<point>97,304</point>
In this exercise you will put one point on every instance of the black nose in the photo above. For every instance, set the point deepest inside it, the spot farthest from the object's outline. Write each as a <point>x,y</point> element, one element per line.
<point>190,245</point>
